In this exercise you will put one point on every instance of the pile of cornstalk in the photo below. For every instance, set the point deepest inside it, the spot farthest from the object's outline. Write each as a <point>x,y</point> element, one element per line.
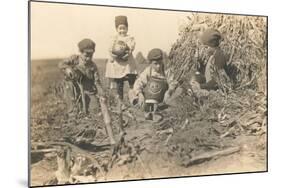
<point>244,42</point>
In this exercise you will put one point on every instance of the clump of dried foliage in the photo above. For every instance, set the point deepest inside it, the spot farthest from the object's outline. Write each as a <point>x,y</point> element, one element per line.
<point>244,43</point>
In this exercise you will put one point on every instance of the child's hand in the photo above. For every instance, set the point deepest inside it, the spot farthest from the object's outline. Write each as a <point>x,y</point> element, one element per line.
<point>69,73</point>
<point>167,96</point>
<point>125,57</point>
<point>113,55</point>
<point>73,74</point>
<point>111,60</point>
<point>102,98</point>
<point>128,51</point>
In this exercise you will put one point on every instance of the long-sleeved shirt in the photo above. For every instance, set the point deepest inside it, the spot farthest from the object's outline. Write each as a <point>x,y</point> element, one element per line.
<point>216,62</point>
<point>214,74</point>
<point>143,79</point>
<point>90,76</point>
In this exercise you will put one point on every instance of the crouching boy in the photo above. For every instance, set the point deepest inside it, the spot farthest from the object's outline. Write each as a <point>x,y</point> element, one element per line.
<point>150,87</point>
<point>83,82</point>
<point>214,76</point>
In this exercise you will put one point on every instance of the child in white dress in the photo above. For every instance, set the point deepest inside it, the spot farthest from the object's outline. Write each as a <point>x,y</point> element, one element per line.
<point>121,65</point>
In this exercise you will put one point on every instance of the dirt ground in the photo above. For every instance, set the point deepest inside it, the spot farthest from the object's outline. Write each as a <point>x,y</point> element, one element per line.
<point>150,149</point>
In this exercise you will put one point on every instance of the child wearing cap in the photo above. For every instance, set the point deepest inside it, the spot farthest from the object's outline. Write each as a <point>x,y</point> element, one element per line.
<point>215,66</point>
<point>83,84</point>
<point>121,65</point>
<point>151,86</point>
<point>81,68</point>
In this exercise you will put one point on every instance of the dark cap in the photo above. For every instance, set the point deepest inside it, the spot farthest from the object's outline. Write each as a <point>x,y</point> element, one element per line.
<point>86,44</point>
<point>211,37</point>
<point>121,20</point>
<point>155,54</point>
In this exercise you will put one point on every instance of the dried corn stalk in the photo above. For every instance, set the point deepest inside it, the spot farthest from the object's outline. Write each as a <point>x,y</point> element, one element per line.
<point>245,41</point>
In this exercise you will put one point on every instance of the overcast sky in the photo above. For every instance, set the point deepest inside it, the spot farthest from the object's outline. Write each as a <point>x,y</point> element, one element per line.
<point>57,28</point>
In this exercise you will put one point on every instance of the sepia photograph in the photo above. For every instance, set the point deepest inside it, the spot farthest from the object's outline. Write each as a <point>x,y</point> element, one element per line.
<point>125,93</point>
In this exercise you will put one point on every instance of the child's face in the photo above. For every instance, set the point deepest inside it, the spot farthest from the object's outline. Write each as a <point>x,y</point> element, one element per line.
<point>122,30</point>
<point>156,65</point>
<point>87,55</point>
